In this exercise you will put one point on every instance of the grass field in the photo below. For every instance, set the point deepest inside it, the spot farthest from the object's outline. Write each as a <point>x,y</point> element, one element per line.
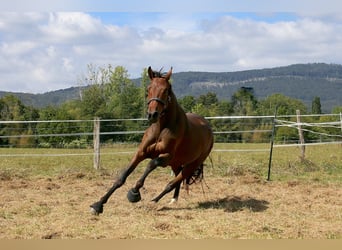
<point>47,196</point>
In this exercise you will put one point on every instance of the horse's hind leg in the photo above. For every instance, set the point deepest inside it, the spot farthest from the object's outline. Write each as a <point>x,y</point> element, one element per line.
<point>177,188</point>
<point>175,183</point>
<point>185,173</point>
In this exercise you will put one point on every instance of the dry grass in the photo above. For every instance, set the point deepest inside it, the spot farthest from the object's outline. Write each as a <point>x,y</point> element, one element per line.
<point>51,200</point>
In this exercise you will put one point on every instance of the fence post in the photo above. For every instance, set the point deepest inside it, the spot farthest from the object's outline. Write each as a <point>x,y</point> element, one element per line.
<point>96,140</point>
<point>301,136</point>
<point>341,120</point>
<point>272,142</point>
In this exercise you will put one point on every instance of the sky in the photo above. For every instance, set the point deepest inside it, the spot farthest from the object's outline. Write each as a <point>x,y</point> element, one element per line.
<point>47,45</point>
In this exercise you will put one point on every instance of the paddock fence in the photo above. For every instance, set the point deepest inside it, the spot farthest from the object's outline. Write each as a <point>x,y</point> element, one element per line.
<point>267,131</point>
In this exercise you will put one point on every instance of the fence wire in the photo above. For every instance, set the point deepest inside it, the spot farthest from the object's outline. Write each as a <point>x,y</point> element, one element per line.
<point>243,126</point>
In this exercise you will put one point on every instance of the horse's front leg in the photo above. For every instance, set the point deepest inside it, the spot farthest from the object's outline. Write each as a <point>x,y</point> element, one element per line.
<point>97,207</point>
<point>162,160</point>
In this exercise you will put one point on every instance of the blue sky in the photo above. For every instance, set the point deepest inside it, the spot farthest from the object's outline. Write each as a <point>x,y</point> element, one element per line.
<point>47,45</point>
<point>134,18</point>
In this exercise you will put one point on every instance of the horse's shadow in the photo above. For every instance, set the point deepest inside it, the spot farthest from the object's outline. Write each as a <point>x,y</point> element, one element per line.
<point>233,204</point>
<point>230,204</point>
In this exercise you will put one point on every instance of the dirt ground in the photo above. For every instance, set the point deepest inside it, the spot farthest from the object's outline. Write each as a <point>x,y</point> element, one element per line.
<point>244,207</point>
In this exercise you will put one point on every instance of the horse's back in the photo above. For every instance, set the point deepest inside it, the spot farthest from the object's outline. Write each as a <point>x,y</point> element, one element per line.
<point>197,120</point>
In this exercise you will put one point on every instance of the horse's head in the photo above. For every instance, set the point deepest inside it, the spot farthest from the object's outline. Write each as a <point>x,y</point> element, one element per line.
<point>158,95</point>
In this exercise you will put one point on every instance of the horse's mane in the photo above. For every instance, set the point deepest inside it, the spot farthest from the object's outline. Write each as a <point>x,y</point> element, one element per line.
<point>159,73</point>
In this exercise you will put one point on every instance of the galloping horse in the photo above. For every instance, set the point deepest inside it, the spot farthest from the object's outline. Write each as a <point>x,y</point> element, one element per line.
<point>182,141</point>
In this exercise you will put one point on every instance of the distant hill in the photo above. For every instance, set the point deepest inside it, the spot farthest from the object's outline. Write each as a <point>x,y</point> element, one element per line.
<point>54,98</point>
<point>300,81</point>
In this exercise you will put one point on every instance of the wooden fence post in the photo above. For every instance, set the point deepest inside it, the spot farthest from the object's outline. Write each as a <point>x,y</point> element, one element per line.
<point>96,140</point>
<point>301,136</point>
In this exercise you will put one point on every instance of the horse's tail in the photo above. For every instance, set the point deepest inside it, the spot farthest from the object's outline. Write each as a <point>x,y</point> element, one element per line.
<point>211,161</point>
<point>198,174</point>
<point>212,165</point>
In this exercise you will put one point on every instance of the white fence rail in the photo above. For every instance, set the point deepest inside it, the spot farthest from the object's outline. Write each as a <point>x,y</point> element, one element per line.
<point>323,128</point>
<point>249,124</point>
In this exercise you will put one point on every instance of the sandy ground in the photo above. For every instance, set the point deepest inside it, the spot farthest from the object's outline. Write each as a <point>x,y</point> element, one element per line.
<point>219,208</point>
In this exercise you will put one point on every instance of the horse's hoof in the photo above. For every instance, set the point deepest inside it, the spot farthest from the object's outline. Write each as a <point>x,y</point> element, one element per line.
<point>96,208</point>
<point>155,200</point>
<point>173,200</point>
<point>133,196</point>
<point>93,211</point>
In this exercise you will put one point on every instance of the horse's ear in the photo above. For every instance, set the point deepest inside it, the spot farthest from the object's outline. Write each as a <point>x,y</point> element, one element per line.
<point>168,75</point>
<point>150,72</point>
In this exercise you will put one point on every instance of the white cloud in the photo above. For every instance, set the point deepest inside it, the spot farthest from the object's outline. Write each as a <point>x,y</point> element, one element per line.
<point>68,27</point>
<point>171,6</point>
<point>47,51</point>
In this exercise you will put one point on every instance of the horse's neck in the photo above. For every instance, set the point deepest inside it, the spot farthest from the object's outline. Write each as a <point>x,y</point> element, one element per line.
<point>173,114</point>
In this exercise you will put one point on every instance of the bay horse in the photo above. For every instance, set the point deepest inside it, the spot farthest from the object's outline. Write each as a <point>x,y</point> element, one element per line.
<point>182,141</point>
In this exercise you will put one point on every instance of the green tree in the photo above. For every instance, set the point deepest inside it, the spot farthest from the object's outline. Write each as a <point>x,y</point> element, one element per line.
<point>244,101</point>
<point>224,108</point>
<point>200,109</point>
<point>64,112</point>
<point>145,80</point>
<point>331,130</point>
<point>123,98</point>
<point>208,99</point>
<point>93,102</point>
<point>316,106</point>
<point>285,105</point>
<point>112,95</point>
<point>12,109</point>
<point>188,103</point>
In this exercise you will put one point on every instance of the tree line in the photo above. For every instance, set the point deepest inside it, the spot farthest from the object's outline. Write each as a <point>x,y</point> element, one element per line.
<point>112,95</point>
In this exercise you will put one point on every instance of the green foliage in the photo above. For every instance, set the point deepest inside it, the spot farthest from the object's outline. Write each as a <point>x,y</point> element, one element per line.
<point>92,103</point>
<point>111,94</point>
<point>244,101</point>
<point>12,109</point>
<point>67,111</point>
<point>316,107</point>
<point>188,103</point>
<point>284,104</point>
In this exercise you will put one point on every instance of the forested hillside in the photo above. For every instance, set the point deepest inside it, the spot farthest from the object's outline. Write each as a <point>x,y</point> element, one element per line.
<point>113,95</point>
<point>49,98</point>
<point>300,81</point>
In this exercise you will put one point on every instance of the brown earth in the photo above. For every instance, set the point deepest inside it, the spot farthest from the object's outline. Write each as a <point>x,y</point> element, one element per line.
<point>232,207</point>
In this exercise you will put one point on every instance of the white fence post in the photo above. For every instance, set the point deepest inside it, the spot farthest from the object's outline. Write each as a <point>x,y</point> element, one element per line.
<point>301,136</point>
<point>96,139</point>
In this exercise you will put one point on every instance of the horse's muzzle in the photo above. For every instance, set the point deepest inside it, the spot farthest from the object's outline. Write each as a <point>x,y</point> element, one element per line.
<point>153,117</point>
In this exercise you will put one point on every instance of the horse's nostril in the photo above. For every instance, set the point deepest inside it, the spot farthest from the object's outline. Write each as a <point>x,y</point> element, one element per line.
<point>153,117</point>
